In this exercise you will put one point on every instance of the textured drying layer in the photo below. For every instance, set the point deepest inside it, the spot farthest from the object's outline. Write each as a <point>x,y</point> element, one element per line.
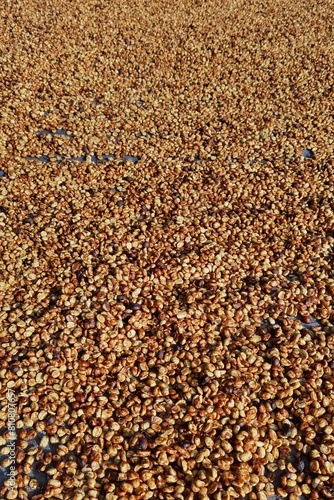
<point>166,225</point>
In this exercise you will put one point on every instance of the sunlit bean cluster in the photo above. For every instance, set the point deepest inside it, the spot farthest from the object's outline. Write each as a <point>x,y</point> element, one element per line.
<point>166,235</point>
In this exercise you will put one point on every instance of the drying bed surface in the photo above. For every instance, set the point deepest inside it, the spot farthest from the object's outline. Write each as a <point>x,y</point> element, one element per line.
<point>166,273</point>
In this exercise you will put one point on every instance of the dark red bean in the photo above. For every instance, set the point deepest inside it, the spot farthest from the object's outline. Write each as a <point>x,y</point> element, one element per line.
<point>135,307</point>
<point>186,445</point>
<point>50,420</point>
<point>142,443</point>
